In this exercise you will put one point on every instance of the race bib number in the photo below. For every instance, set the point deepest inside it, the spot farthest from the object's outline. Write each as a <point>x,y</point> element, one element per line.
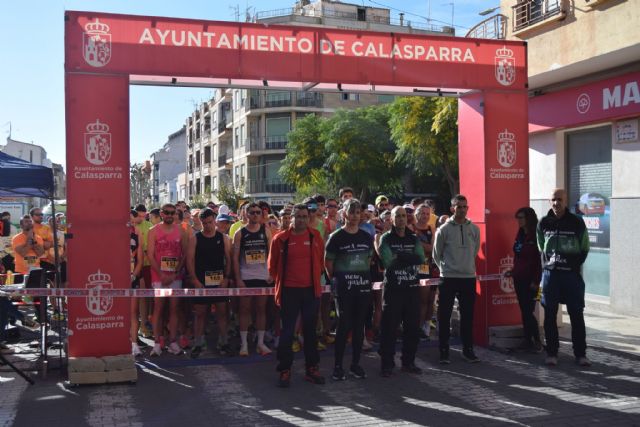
<point>168,264</point>
<point>255,257</point>
<point>424,269</point>
<point>212,278</point>
<point>31,260</point>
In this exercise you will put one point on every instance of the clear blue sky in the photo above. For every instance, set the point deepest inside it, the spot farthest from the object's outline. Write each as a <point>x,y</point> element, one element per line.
<point>32,52</point>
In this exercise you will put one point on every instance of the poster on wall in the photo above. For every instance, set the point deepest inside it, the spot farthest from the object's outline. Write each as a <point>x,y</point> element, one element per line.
<point>595,211</point>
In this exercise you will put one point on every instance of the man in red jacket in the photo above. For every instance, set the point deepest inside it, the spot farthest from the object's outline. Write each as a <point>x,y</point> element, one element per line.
<point>296,259</point>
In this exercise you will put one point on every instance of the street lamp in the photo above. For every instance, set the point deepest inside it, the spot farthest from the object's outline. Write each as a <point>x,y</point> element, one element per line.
<point>488,11</point>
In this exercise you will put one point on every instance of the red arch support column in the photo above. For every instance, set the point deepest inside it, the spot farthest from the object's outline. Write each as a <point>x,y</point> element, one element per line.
<point>494,175</point>
<point>97,125</point>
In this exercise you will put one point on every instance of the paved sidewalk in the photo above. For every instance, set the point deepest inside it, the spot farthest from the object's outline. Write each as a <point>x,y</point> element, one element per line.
<point>502,389</point>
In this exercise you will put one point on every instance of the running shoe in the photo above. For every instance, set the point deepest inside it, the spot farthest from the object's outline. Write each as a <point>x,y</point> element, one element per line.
<point>366,345</point>
<point>145,332</point>
<point>285,378</point>
<point>156,350</point>
<point>470,356</point>
<point>583,361</point>
<point>295,346</point>
<point>321,346</point>
<point>329,339</point>
<point>312,375</point>
<point>411,368</point>
<point>135,350</point>
<point>356,371</point>
<point>184,342</point>
<point>338,374</point>
<point>175,349</point>
<point>244,350</point>
<point>263,350</point>
<point>195,351</point>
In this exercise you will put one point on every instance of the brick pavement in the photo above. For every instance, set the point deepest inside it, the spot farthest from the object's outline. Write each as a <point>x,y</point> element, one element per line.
<point>504,389</point>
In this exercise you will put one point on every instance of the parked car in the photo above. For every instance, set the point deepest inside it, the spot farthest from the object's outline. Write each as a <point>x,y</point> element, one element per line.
<point>592,204</point>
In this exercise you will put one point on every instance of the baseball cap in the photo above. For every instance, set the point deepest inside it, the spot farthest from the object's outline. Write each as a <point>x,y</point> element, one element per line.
<point>408,207</point>
<point>381,198</point>
<point>223,217</point>
<point>223,210</point>
<point>371,208</point>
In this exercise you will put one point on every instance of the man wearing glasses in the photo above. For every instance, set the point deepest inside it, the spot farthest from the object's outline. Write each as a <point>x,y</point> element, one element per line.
<point>42,229</point>
<point>166,250</point>
<point>454,251</point>
<point>250,251</point>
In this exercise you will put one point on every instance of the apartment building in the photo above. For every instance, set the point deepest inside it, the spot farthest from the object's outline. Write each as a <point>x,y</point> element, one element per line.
<point>166,164</point>
<point>584,109</point>
<point>239,137</point>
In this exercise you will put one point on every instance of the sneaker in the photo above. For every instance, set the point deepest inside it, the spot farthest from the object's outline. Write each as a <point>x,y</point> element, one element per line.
<point>244,350</point>
<point>366,345</point>
<point>313,375</point>
<point>135,350</point>
<point>145,332</point>
<point>175,349</point>
<point>411,369</point>
<point>444,356</point>
<point>386,372</point>
<point>329,339</point>
<point>583,361</point>
<point>551,361</point>
<point>338,374</point>
<point>224,350</point>
<point>195,352</point>
<point>184,342</point>
<point>263,350</point>
<point>470,356</point>
<point>295,346</point>
<point>356,371</point>
<point>156,350</point>
<point>321,346</point>
<point>285,378</point>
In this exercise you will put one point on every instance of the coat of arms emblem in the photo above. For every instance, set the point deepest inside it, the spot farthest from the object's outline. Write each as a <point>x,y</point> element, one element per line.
<point>505,66</point>
<point>96,304</point>
<point>506,149</point>
<point>96,44</point>
<point>97,143</point>
<point>506,283</point>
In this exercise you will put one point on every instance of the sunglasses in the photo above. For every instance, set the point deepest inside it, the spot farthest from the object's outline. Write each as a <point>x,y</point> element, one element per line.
<point>255,212</point>
<point>169,212</point>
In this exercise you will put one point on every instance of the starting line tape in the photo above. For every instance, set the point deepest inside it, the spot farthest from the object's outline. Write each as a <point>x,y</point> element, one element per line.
<point>20,290</point>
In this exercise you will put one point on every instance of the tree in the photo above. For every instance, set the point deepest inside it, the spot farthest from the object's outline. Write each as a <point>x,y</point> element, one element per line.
<point>305,157</point>
<point>426,134</point>
<point>230,195</point>
<point>361,153</point>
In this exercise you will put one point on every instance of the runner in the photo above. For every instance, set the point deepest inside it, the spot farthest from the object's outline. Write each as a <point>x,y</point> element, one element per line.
<point>427,293</point>
<point>250,251</point>
<point>401,255</point>
<point>166,248</point>
<point>137,259</point>
<point>143,226</point>
<point>285,219</point>
<point>296,262</point>
<point>209,265</point>
<point>242,212</point>
<point>347,260</point>
<point>331,219</point>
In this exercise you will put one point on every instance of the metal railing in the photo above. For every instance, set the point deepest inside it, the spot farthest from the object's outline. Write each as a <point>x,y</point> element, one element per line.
<point>531,12</point>
<point>278,142</point>
<point>268,186</point>
<point>494,27</point>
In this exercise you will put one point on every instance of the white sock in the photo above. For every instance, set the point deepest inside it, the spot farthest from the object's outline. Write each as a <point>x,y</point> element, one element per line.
<point>261,338</point>
<point>243,338</point>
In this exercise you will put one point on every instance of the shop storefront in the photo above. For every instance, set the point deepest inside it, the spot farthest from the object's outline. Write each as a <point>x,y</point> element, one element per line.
<point>585,139</point>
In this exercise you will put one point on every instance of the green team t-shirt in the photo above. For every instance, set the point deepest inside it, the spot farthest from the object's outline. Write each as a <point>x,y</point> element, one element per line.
<point>351,255</point>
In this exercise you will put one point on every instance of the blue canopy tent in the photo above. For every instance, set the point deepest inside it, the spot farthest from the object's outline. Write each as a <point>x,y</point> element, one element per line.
<point>21,178</point>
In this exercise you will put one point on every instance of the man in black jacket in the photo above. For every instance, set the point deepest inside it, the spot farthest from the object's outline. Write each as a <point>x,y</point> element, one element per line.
<point>564,244</point>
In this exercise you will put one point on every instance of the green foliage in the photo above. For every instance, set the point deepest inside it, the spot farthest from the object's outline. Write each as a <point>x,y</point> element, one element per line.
<point>426,134</point>
<point>305,153</point>
<point>230,195</point>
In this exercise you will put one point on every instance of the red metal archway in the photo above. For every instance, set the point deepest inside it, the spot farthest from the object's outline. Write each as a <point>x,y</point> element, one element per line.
<point>105,53</point>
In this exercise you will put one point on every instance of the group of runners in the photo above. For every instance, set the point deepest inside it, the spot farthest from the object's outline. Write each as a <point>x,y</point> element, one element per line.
<point>341,242</point>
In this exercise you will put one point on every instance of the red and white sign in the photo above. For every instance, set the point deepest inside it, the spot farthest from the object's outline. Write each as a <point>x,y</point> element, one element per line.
<point>604,100</point>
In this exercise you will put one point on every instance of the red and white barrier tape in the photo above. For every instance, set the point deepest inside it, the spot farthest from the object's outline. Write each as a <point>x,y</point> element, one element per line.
<point>19,290</point>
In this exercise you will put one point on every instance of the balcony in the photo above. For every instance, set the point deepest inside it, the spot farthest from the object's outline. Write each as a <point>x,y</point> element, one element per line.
<point>535,13</point>
<point>278,142</point>
<point>309,100</point>
<point>494,27</point>
<point>268,186</point>
<point>277,101</point>
<point>222,160</point>
<point>257,101</point>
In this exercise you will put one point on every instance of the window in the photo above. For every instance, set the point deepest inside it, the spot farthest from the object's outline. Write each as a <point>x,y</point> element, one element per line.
<point>236,137</point>
<point>362,14</point>
<point>236,100</point>
<point>386,99</point>
<point>243,135</point>
<point>214,183</point>
<point>236,173</point>
<point>277,129</point>
<point>350,96</point>
<point>214,153</point>
<point>242,176</point>
<point>30,156</point>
